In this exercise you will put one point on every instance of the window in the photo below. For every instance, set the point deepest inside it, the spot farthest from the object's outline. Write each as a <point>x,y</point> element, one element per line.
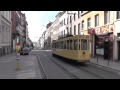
<point>71,44</point>
<point>64,33</point>
<point>83,25</point>
<point>79,44</point>
<point>82,12</point>
<point>89,22</point>
<point>78,14</point>
<point>74,29</point>
<point>68,44</point>
<point>107,17</point>
<point>79,28</point>
<point>118,15</point>
<point>83,44</point>
<point>74,16</point>
<point>75,44</point>
<point>97,20</point>
<point>64,44</point>
<point>67,20</point>
<point>118,34</point>
<point>67,31</point>
<point>70,31</point>
<point>70,19</point>
<point>61,23</point>
<point>64,21</point>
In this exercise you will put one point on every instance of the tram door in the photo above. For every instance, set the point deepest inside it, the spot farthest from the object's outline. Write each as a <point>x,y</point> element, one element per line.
<point>84,49</point>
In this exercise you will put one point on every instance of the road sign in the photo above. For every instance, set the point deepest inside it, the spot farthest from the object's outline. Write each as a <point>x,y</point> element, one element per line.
<point>17,46</point>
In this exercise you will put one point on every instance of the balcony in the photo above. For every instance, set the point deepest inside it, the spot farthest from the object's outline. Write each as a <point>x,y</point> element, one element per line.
<point>19,30</point>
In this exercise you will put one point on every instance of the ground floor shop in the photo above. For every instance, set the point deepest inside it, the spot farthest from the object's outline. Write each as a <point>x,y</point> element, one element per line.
<point>4,50</point>
<point>102,42</point>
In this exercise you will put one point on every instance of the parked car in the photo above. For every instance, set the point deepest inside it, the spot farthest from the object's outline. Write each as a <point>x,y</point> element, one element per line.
<point>24,51</point>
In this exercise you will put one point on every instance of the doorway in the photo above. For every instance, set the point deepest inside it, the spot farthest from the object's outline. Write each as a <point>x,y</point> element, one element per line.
<point>118,50</point>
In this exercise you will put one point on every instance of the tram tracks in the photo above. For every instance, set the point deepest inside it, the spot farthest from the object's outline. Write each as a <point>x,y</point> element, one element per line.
<point>42,70</point>
<point>94,70</point>
<point>71,75</point>
<point>77,67</point>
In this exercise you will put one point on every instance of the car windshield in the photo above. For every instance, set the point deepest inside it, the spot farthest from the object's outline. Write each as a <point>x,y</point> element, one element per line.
<point>25,48</point>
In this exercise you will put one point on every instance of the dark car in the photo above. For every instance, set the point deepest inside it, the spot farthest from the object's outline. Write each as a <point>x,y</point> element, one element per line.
<point>25,51</point>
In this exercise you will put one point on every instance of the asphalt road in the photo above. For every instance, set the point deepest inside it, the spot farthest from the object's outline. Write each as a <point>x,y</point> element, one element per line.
<point>57,68</point>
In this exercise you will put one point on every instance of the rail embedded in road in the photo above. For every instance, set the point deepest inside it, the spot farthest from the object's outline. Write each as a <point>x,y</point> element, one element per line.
<point>43,72</point>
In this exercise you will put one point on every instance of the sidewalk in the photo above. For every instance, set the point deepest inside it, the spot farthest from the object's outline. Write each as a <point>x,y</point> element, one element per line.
<point>115,65</point>
<point>28,65</point>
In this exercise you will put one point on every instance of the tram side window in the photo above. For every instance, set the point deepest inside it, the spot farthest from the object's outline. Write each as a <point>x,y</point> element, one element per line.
<point>83,44</point>
<point>52,45</point>
<point>68,44</point>
<point>71,44</point>
<point>79,44</point>
<point>58,45</point>
<point>75,44</point>
<point>64,44</point>
<point>55,45</point>
<point>88,44</point>
<point>61,45</point>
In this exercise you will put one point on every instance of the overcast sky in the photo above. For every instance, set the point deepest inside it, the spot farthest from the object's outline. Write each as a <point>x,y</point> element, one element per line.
<point>37,21</point>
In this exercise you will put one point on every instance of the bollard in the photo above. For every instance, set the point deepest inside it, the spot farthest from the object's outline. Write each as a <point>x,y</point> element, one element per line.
<point>18,58</point>
<point>97,58</point>
<point>108,61</point>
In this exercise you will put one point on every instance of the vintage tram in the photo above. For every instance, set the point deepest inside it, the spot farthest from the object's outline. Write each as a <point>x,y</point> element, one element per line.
<point>74,48</point>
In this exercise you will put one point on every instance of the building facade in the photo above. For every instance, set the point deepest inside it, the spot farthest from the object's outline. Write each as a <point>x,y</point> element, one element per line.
<point>116,35</point>
<point>99,24</point>
<point>5,32</point>
<point>56,27</point>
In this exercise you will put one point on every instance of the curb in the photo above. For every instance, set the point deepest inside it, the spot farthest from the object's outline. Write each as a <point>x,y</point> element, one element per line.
<point>8,55</point>
<point>105,66</point>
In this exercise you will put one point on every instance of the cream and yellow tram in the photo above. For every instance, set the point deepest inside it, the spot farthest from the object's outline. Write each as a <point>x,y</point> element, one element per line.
<point>74,48</point>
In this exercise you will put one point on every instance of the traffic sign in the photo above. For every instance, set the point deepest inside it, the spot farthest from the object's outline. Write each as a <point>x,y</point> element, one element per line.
<point>17,46</point>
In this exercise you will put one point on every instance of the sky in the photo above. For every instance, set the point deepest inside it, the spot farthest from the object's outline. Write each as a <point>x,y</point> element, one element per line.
<point>37,21</point>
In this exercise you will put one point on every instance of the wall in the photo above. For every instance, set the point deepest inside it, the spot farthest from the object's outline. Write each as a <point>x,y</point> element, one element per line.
<point>91,15</point>
<point>117,30</point>
<point>63,27</point>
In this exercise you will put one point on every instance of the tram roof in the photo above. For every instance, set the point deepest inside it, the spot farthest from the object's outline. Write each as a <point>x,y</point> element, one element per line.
<point>70,37</point>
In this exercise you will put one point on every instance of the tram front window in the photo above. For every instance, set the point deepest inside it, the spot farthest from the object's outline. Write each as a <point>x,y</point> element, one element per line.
<point>83,44</point>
